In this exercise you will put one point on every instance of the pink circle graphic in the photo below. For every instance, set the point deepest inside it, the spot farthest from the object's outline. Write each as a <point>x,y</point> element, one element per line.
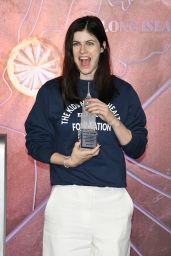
<point>31,63</point>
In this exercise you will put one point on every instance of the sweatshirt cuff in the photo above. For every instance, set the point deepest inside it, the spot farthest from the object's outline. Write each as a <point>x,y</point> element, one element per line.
<point>44,155</point>
<point>135,148</point>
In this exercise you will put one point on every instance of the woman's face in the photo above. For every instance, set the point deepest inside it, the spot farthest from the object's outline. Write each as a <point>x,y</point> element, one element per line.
<point>86,53</point>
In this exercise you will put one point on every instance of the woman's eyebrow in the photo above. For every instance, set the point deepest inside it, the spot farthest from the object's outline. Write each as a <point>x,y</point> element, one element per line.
<point>92,40</point>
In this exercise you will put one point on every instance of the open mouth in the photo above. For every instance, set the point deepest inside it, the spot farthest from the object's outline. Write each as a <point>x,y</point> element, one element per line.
<point>84,61</point>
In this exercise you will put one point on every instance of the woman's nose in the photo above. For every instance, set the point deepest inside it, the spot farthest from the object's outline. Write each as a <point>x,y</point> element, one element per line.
<point>82,48</point>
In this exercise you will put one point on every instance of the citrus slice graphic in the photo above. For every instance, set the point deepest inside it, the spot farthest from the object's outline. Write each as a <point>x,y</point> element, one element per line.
<point>31,63</point>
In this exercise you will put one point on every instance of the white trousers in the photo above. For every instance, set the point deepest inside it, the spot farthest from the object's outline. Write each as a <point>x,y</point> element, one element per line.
<point>87,221</point>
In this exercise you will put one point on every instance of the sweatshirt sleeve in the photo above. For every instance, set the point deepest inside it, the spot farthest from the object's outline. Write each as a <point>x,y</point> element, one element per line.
<point>39,130</point>
<point>135,122</point>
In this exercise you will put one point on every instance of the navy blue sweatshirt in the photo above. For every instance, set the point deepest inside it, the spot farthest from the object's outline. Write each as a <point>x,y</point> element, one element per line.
<point>52,126</point>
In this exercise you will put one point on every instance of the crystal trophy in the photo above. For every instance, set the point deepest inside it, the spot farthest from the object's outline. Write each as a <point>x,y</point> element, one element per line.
<point>88,134</point>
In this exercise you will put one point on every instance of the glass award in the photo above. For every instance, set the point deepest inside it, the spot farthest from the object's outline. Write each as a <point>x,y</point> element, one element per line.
<point>88,134</point>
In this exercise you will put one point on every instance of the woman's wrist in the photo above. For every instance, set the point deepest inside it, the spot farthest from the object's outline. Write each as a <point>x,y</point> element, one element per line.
<point>60,159</point>
<point>123,134</point>
<point>115,123</point>
<point>68,162</point>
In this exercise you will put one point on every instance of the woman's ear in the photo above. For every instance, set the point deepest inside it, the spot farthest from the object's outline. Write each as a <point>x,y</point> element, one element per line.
<point>103,46</point>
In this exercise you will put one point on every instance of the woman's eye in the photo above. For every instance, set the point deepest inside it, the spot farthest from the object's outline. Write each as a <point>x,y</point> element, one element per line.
<point>75,44</point>
<point>90,43</point>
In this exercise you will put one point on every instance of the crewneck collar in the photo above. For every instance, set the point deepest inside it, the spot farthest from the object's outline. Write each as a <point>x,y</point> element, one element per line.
<point>86,81</point>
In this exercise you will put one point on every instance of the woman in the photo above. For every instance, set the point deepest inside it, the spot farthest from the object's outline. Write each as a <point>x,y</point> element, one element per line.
<point>89,210</point>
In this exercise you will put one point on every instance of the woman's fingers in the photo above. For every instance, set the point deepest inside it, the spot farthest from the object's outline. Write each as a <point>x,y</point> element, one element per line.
<point>94,151</point>
<point>100,109</point>
<point>95,104</point>
<point>87,152</point>
<point>90,152</point>
<point>77,144</point>
<point>80,156</point>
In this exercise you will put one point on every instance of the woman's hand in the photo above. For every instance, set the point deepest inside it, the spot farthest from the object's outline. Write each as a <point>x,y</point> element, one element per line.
<point>101,109</point>
<point>79,156</point>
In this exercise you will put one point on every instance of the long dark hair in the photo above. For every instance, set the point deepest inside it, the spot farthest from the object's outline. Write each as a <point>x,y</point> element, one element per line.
<point>103,80</point>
